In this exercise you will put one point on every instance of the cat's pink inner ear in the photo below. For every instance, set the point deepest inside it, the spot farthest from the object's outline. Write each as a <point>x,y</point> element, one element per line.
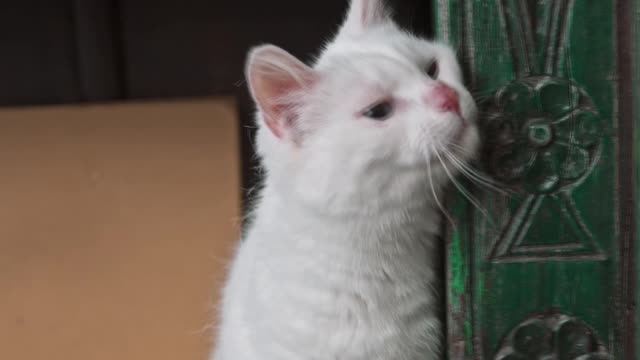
<point>278,83</point>
<point>364,14</point>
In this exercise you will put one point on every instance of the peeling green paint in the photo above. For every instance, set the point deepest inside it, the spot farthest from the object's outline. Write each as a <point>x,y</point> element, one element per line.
<point>458,271</point>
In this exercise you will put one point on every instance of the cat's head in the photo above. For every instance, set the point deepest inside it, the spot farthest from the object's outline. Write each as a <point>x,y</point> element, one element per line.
<point>372,124</point>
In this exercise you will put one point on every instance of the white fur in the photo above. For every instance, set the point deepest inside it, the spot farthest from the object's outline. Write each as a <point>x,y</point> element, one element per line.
<point>339,261</point>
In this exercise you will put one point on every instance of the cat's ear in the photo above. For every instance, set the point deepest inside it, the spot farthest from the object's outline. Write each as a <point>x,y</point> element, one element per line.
<point>278,83</point>
<point>364,14</point>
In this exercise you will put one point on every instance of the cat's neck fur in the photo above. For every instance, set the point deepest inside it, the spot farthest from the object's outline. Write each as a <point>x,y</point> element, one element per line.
<point>278,214</point>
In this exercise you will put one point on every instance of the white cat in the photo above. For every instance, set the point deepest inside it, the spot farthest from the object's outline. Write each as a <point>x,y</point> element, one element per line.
<point>339,261</point>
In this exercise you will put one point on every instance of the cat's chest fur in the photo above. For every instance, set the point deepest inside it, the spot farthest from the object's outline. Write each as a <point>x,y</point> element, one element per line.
<point>308,289</point>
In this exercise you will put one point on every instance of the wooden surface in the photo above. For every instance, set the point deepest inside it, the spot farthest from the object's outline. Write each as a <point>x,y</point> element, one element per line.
<point>116,224</point>
<point>546,270</point>
<point>628,45</point>
<point>635,88</point>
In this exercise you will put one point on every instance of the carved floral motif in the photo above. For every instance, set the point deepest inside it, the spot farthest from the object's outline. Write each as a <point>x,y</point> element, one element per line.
<point>542,138</point>
<point>552,337</point>
<point>544,134</point>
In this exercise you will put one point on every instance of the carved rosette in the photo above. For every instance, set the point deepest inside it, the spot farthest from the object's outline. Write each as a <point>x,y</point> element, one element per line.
<point>542,138</point>
<point>543,135</point>
<point>552,337</point>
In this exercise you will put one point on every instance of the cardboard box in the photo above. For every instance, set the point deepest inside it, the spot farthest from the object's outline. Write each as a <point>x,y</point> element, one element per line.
<point>116,223</point>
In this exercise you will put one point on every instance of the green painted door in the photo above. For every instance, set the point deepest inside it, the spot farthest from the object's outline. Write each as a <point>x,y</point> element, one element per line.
<point>544,269</point>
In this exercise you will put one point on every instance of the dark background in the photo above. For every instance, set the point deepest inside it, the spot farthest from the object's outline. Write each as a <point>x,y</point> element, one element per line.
<point>78,51</point>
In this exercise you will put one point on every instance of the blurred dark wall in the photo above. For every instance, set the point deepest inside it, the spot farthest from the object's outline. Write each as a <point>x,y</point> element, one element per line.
<point>70,51</point>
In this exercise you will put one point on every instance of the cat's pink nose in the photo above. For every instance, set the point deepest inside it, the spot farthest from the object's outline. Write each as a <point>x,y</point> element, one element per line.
<point>443,98</point>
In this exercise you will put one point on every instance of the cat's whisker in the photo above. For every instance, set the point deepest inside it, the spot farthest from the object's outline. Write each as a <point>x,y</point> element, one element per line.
<point>480,97</point>
<point>468,173</point>
<point>473,175</point>
<point>479,182</point>
<point>435,197</point>
<point>460,188</point>
<point>464,168</point>
<point>486,92</point>
<point>476,172</point>
<point>469,170</point>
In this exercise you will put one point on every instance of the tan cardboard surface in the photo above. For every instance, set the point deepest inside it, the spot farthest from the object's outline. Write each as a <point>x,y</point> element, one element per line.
<point>116,222</point>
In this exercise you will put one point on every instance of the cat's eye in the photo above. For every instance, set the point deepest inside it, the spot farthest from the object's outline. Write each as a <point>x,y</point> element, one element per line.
<point>380,111</point>
<point>432,69</point>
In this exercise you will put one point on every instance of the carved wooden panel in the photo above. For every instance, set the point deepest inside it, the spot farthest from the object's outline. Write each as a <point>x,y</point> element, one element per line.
<point>538,272</point>
<point>553,336</point>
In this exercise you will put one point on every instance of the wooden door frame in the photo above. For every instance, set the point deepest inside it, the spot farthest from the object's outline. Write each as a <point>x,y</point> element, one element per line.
<point>628,183</point>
